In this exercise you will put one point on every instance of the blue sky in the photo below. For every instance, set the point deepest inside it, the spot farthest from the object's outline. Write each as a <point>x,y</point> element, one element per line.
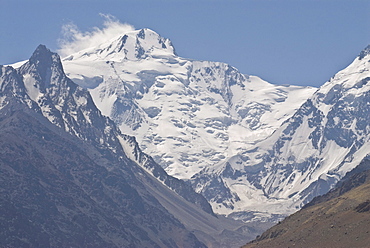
<point>285,42</point>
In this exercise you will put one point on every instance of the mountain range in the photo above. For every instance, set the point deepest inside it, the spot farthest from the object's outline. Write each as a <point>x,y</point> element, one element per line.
<point>70,178</point>
<point>238,140</point>
<point>110,133</point>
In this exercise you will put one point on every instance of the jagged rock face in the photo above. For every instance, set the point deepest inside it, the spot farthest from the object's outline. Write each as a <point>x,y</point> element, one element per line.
<point>187,114</point>
<point>307,155</point>
<point>60,100</point>
<point>65,176</point>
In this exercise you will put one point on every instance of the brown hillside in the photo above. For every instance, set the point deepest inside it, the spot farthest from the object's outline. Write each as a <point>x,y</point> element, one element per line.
<point>339,219</point>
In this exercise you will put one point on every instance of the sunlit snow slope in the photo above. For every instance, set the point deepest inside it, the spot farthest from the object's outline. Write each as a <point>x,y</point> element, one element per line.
<point>189,115</point>
<point>305,157</point>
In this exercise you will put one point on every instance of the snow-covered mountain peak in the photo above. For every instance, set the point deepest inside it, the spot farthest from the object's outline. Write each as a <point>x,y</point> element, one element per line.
<point>133,45</point>
<point>352,78</point>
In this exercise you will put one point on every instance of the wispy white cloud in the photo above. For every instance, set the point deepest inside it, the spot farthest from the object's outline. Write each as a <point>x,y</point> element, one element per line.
<point>74,40</point>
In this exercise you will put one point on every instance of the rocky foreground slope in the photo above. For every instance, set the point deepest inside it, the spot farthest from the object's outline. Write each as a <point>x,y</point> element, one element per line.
<point>340,218</point>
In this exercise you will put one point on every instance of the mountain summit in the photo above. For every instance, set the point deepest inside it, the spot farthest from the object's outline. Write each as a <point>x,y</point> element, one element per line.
<point>134,45</point>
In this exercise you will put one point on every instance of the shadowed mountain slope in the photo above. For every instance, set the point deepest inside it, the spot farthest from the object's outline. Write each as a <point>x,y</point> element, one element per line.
<point>55,194</point>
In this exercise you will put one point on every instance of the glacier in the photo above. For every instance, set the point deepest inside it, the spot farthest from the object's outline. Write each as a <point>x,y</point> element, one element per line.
<point>188,115</point>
